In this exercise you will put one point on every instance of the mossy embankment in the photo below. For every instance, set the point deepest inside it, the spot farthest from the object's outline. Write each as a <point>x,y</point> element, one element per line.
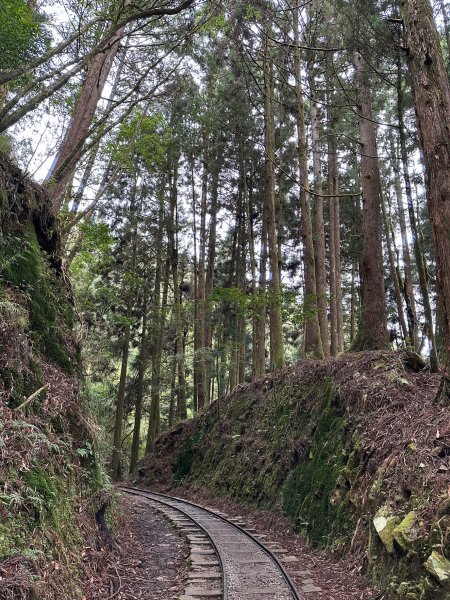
<point>354,451</point>
<point>50,482</point>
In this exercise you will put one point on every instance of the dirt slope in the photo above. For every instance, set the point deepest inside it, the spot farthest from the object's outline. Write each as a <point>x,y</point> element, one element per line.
<point>50,482</point>
<point>354,451</point>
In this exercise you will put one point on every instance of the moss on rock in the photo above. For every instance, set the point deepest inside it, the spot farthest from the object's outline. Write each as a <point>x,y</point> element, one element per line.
<point>439,567</point>
<point>23,266</point>
<point>308,493</point>
<point>385,524</point>
<point>406,532</point>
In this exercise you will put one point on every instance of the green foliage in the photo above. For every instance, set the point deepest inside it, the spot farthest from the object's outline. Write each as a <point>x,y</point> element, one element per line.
<point>93,257</point>
<point>42,493</point>
<point>238,301</point>
<point>143,140</point>
<point>12,535</point>
<point>212,25</point>
<point>294,312</point>
<point>86,451</point>
<point>34,438</point>
<point>252,14</point>
<point>243,303</point>
<point>96,237</point>
<point>19,33</point>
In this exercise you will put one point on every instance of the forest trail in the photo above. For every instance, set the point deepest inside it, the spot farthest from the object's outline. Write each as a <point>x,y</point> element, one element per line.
<point>248,575</point>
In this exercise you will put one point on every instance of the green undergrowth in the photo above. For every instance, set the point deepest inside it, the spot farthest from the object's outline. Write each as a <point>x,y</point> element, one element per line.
<point>51,484</point>
<point>308,493</point>
<point>312,442</point>
<point>48,514</point>
<point>21,382</point>
<point>23,266</point>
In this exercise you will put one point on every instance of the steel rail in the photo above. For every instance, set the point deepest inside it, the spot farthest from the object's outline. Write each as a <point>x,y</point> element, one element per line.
<point>272,556</point>
<point>149,495</point>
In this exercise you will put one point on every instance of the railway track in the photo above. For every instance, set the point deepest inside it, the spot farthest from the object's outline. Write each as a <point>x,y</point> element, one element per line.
<point>228,561</point>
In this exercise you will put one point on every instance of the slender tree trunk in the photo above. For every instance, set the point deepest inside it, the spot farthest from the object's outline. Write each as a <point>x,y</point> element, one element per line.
<point>321,277</point>
<point>276,325</point>
<point>154,427</point>
<point>173,384</point>
<point>333,303</point>
<point>119,416</point>
<point>338,279</point>
<point>241,284</point>
<point>230,321</point>
<point>199,325</point>
<point>431,93</point>
<point>446,19</point>
<point>336,306</point>
<point>408,288</point>
<point>142,362</point>
<point>173,252</point>
<point>373,333</point>
<point>262,299</point>
<point>251,246</point>
<point>197,337</point>
<point>211,260</point>
<point>337,254</point>
<point>157,330</point>
<point>333,227</point>
<point>312,341</point>
<point>418,254</point>
<point>282,99</point>
<point>353,303</point>
<point>393,271</point>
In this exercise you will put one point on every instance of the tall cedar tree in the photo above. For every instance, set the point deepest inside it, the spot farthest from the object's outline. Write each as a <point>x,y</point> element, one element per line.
<point>432,103</point>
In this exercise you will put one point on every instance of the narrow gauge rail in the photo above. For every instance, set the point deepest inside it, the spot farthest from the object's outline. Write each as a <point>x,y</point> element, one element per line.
<point>230,582</point>
<point>157,498</point>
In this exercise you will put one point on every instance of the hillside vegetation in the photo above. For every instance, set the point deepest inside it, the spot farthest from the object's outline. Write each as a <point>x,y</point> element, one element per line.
<point>353,450</point>
<point>50,483</point>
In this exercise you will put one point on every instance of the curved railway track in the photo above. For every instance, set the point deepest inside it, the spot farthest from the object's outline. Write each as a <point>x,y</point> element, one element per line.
<point>247,569</point>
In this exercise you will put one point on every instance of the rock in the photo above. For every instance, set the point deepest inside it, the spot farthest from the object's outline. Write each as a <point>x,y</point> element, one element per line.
<point>438,451</point>
<point>385,523</point>
<point>439,567</point>
<point>405,532</point>
<point>310,587</point>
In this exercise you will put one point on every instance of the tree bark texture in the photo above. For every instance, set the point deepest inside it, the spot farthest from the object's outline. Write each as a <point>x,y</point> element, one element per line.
<point>431,93</point>
<point>372,333</point>
<point>312,341</point>
<point>276,324</point>
<point>321,277</point>
<point>119,415</point>
<point>65,161</point>
<point>142,367</point>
